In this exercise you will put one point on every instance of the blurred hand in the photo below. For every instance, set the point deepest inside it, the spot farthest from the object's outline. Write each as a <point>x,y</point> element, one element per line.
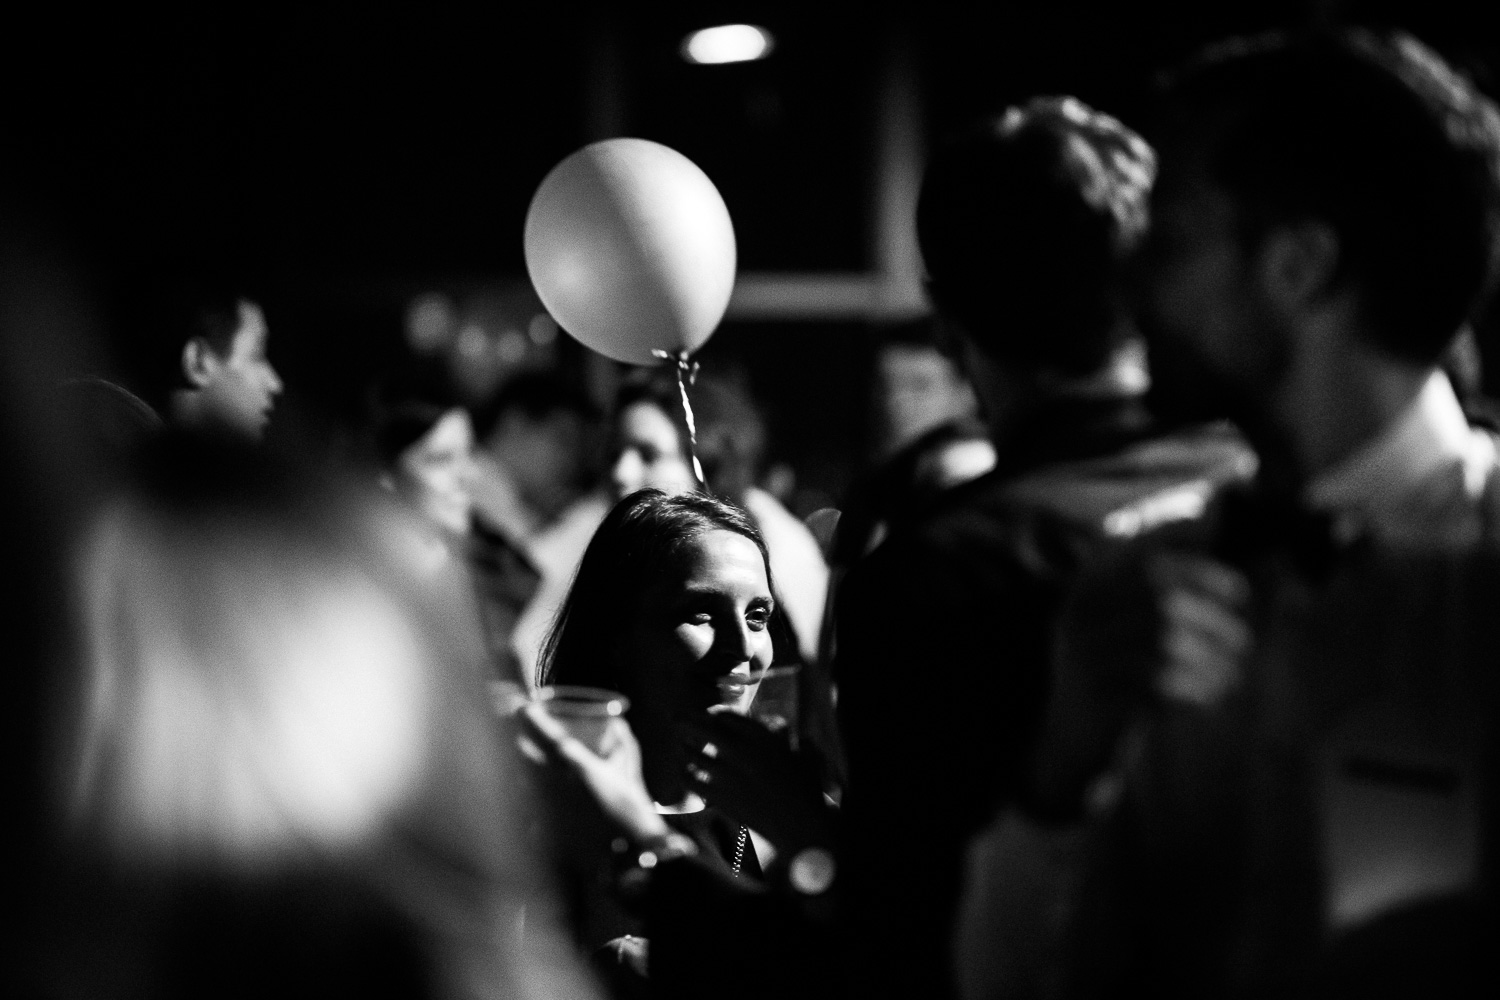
<point>612,777</point>
<point>1171,625</point>
<point>1202,606</point>
<point>753,774</point>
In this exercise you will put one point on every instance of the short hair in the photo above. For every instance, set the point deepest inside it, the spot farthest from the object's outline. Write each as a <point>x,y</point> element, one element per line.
<point>641,542</point>
<point>538,395</point>
<point>159,320</point>
<point>1372,134</point>
<point>401,424</point>
<point>731,434</point>
<point>1022,221</point>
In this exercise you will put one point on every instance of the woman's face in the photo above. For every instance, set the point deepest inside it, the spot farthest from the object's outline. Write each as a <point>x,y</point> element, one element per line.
<point>648,452</point>
<point>435,471</point>
<point>702,634</point>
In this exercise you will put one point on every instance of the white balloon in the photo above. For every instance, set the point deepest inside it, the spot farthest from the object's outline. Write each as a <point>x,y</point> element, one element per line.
<point>631,249</point>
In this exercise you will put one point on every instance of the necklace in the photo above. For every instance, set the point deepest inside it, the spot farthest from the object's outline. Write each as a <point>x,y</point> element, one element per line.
<point>739,849</point>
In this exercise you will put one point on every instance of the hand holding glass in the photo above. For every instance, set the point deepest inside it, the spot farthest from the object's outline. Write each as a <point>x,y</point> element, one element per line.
<point>777,704</point>
<point>586,712</point>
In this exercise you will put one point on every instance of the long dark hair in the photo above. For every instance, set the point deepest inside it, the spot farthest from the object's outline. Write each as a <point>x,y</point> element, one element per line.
<point>644,538</point>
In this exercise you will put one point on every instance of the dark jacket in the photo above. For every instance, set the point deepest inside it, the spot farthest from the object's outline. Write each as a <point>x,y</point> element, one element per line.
<point>942,651</point>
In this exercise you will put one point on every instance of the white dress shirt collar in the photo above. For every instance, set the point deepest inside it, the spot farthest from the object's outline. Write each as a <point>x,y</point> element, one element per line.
<point>1424,473</point>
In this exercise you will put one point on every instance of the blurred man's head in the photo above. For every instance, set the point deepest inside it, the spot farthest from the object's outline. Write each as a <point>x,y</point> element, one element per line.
<point>650,445</point>
<point>541,428</point>
<point>197,352</point>
<point>1331,194</point>
<point>230,384</point>
<point>1022,222</point>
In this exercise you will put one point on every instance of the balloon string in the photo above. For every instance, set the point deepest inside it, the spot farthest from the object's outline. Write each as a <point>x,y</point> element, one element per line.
<point>687,373</point>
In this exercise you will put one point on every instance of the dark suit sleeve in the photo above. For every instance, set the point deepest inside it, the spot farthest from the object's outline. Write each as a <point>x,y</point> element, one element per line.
<point>941,668</point>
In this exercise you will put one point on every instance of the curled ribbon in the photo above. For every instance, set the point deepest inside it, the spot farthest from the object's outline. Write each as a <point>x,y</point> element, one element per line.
<point>687,372</point>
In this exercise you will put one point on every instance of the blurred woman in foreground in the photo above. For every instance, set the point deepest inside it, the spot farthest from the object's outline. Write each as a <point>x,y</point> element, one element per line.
<point>278,772</point>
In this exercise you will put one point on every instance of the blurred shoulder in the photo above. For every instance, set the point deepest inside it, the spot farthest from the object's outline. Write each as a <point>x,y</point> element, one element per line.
<point>783,532</point>
<point>1054,516</point>
<point>557,548</point>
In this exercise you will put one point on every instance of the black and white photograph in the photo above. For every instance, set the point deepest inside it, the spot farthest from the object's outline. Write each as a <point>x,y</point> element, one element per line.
<point>765,500</point>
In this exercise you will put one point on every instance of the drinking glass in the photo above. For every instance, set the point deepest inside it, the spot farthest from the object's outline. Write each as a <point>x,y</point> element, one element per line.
<point>586,712</point>
<point>778,702</point>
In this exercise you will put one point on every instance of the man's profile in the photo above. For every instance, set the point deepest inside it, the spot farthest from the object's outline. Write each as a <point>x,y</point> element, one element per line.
<point>227,383</point>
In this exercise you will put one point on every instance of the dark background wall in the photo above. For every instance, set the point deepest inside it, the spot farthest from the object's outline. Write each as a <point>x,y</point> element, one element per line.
<point>349,156</point>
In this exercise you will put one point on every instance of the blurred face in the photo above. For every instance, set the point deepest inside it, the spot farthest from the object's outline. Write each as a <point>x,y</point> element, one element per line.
<point>648,453</point>
<point>434,472</point>
<point>703,633</point>
<point>1213,346</point>
<point>543,455</point>
<point>918,389</point>
<point>239,390</point>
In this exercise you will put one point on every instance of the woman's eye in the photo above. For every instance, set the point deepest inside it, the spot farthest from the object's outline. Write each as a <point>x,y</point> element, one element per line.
<point>758,619</point>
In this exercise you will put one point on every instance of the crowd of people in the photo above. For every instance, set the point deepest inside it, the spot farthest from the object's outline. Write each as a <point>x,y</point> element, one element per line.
<point>1155,652</point>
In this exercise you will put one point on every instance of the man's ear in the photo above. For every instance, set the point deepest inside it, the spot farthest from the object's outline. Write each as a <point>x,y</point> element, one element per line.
<point>199,362</point>
<point>1299,263</point>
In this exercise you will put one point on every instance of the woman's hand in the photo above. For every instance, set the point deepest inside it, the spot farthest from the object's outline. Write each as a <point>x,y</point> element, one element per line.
<point>755,776</point>
<point>612,777</point>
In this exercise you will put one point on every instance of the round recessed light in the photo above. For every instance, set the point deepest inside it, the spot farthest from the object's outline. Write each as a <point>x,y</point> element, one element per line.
<point>727,43</point>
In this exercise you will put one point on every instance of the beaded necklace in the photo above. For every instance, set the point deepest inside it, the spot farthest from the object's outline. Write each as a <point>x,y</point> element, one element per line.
<point>739,849</point>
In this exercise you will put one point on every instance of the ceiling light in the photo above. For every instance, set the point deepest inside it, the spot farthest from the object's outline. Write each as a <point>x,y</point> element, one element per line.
<point>728,43</point>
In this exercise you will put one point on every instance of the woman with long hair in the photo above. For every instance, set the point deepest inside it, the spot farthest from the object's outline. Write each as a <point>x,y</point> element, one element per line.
<point>649,447</point>
<point>674,607</point>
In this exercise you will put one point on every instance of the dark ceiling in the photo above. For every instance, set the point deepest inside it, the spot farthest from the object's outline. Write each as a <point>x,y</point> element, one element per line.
<point>343,158</point>
<point>353,143</point>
